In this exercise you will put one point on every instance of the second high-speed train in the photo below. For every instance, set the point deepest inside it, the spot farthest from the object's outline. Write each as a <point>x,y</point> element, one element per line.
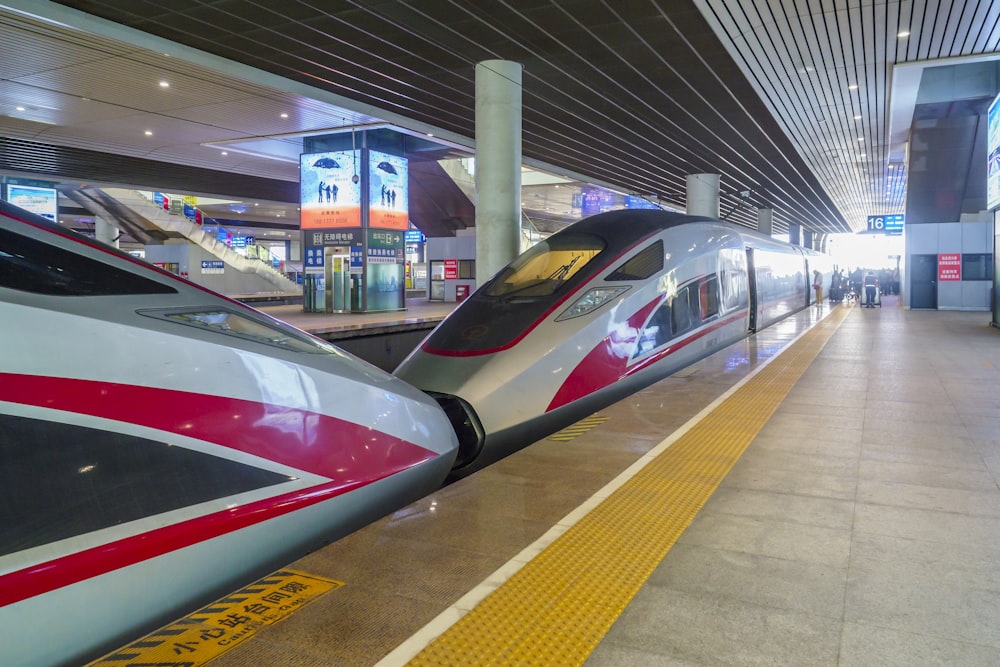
<point>595,312</point>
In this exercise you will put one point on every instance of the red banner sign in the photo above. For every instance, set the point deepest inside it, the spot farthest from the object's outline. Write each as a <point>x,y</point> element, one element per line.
<point>949,267</point>
<point>451,269</point>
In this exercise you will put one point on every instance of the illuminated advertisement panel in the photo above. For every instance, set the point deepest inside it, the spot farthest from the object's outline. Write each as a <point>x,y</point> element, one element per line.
<point>388,203</point>
<point>41,201</point>
<point>993,151</point>
<point>330,196</point>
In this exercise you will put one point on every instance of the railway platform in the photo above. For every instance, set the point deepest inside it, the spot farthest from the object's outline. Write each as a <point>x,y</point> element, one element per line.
<point>826,492</point>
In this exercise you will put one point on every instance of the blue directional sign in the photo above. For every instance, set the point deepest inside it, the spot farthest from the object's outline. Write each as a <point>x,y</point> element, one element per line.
<point>886,224</point>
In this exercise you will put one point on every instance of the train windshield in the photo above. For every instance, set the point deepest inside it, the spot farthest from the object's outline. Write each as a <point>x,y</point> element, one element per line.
<point>546,267</point>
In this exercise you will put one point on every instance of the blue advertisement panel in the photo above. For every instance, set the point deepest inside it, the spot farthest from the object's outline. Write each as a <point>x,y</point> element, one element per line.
<point>389,192</point>
<point>330,190</point>
<point>993,153</point>
<point>41,201</point>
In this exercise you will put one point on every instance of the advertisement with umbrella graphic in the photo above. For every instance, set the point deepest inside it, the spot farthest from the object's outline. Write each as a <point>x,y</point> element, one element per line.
<point>329,194</point>
<point>389,193</point>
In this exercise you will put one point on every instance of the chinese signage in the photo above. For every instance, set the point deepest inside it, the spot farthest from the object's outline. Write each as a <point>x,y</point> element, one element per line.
<point>886,224</point>
<point>388,201</point>
<point>314,256</point>
<point>413,236</point>
<point>216,266</point>
<point>385,247</point>
<point>330,190</point>
<point>949,267</point>
<point>451,269</point>
<point>345,237</point>
<point>201,637</point>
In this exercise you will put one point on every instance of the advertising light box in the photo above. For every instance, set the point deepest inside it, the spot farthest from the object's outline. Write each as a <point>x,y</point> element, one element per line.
<point>993,153</point>
<point>330,190</point>
<point>389,192</point>
<point>41,201</point>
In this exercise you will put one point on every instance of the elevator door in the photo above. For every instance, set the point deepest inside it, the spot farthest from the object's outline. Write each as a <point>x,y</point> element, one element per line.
<point>338,283</point>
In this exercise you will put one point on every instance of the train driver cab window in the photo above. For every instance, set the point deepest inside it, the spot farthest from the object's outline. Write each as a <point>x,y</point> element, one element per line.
<point>30,265</point>
<point>645,264</point>
<point>545,267</point>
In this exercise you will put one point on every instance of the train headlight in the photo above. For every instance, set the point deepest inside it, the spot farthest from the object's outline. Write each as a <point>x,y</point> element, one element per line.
<point>592,300</point>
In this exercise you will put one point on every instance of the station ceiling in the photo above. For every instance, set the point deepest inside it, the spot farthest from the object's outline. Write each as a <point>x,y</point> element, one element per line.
<point>800,105</point>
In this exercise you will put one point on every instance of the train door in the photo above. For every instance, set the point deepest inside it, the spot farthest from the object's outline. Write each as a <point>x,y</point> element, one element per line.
<point>338,282</point>
<point>752,288</point>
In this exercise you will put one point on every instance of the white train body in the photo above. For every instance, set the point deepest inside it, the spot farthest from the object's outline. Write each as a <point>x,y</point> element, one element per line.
<point>162,445</point>
<point>597,311</point>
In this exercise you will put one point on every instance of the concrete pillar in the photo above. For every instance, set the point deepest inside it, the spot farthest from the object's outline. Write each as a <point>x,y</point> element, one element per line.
<point>807,238</point>
<point>764,218</point>
<point>105,232</point>
<point>795,234</point>
<point>498,166</point>
<point>703,195</point>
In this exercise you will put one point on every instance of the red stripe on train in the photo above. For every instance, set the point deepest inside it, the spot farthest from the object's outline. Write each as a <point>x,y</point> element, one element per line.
<point>301,439</point>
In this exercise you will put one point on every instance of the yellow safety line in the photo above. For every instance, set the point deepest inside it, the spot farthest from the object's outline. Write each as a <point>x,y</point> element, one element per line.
<point>578,429</point>
<point>556,609</point>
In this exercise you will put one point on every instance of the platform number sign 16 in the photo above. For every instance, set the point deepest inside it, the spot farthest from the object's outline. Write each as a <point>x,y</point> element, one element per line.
<point>885,224</point>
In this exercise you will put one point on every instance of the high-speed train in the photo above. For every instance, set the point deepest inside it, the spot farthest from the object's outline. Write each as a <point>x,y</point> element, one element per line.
<point>597,311</point>
<point>161,445</point>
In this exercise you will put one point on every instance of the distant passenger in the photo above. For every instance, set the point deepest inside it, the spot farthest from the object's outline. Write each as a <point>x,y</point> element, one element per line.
<point>818,287</point>
<point>871,284</point>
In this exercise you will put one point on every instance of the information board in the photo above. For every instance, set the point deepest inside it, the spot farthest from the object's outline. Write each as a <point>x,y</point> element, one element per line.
<point>949,267</point>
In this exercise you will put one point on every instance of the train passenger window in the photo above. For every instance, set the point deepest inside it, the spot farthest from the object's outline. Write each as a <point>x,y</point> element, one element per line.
<point>647,263</point>
<point>30,265</point>
<point>545,267</point>
<point>682,317</point>
<point>708,297</point>
<point>657,331</point>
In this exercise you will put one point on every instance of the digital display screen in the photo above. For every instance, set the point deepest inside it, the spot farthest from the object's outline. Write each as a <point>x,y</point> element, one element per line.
<point>993,153</point>
<point>330,197</point>
<point>40,201</point>
<point>389,196</point>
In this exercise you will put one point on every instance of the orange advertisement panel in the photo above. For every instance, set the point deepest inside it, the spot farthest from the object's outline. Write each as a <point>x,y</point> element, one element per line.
<point>330,190</point>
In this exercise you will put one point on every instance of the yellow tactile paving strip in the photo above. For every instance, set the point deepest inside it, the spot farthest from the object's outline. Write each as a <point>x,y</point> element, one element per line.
<point>557,608</point>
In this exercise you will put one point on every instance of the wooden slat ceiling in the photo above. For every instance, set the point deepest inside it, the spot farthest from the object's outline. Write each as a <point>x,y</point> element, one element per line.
<point>634,94</point>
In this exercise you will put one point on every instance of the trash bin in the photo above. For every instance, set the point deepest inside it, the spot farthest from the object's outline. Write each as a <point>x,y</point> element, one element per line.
<point>461,292</point>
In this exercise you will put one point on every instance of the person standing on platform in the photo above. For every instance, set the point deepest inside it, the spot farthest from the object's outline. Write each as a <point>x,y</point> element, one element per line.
<point>871,284</point>
<point>818,287</point>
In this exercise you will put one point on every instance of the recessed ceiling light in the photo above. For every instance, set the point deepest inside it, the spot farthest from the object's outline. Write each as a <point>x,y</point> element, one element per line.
<point>861,138</point>
<point>164,84</point>
<point>903,33</point>
<point>858,117</point>
<point>20,108</point>
<point>149,133</point>
<point>225,153</point>
<point>853,86</point>
<point>284,115</point>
